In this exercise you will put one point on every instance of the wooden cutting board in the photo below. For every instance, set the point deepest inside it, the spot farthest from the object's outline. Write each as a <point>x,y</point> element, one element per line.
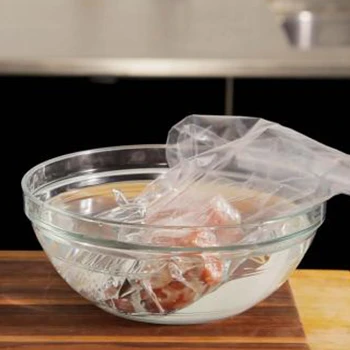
<point>38,310</point>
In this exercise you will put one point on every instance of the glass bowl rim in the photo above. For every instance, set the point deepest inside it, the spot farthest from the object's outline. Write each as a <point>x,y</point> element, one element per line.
<point>105,222</point>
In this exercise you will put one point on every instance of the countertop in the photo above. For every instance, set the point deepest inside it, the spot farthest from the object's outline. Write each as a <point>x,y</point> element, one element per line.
<point>39,311</point>
<point>323,301</point>
<point>158,38</point>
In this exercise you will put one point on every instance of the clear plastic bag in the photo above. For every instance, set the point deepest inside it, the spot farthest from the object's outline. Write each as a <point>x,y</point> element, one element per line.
<point>235,160</point>
<point>247,153</point>
<point>226,174</point>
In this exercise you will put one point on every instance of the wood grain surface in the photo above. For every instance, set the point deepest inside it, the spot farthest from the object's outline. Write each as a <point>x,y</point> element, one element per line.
<point>38,310</point>
<point>323,302</point>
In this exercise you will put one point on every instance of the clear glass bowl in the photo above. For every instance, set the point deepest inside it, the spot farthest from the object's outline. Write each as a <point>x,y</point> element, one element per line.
<point>132,280</point>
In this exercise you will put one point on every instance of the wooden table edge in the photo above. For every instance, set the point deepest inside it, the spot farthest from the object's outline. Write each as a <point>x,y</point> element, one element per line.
<point>323,302</point>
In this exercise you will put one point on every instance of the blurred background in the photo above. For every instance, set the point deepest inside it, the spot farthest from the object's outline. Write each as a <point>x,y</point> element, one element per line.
<point>47,113</point>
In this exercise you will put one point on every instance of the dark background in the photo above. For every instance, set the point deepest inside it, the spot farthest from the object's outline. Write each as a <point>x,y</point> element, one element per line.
<point>46,117</point>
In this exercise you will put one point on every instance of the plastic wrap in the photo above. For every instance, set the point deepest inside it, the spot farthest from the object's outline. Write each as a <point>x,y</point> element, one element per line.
<point>227,175</point>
